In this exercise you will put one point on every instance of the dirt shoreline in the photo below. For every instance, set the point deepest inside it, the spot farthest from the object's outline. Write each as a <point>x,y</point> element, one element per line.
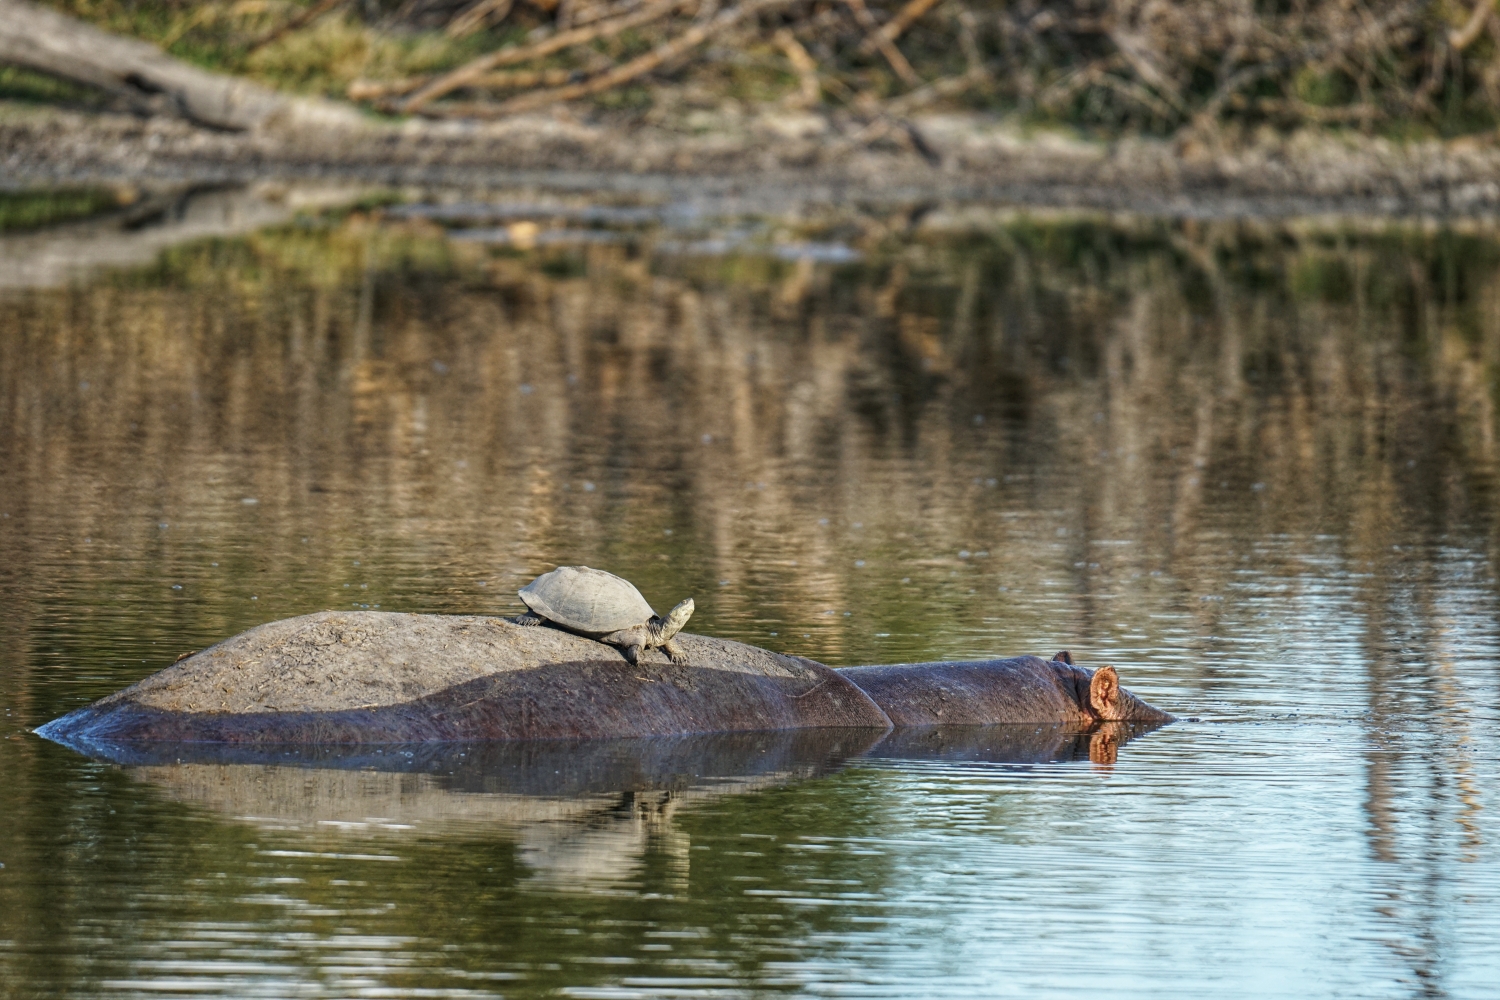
<point>776,163</point>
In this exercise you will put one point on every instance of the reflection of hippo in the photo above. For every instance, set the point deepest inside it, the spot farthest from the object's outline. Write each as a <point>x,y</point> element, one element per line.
<point>382,677</point>
<point>582,814</point>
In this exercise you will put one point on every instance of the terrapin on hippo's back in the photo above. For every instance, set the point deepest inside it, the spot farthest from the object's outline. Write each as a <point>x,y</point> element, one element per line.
<point>600,605</point>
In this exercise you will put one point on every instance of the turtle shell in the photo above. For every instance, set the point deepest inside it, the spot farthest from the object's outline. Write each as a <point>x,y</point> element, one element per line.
<point>586,600</point>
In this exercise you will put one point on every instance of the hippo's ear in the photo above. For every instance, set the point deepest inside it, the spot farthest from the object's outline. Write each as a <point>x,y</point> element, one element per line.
<point>1104,693</point>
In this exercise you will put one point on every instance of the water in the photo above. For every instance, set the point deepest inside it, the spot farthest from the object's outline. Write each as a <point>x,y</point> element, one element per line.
<point>1251,464</point>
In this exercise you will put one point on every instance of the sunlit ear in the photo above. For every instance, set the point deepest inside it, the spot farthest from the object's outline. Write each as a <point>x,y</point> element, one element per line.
<point>1104,693</point>
<point>1063,657</point>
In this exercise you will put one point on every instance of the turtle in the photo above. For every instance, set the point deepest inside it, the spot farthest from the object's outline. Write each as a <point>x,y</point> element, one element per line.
<point>602,606</point>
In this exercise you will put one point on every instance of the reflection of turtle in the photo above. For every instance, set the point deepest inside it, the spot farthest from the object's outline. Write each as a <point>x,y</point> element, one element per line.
<point>602,606</point>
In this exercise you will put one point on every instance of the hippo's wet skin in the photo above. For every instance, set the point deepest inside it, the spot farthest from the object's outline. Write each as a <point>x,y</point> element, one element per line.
<point>371,677</point>
<point>986,692</point>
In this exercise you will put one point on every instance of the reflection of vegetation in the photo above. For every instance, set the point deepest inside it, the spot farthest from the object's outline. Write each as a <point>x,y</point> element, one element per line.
<point>964,411</point>
<point>1031,434</point>
<point>31,209</point>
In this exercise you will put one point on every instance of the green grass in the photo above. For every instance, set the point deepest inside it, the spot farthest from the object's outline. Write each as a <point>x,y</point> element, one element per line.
<point>17,84</point>
<point>35,209</point>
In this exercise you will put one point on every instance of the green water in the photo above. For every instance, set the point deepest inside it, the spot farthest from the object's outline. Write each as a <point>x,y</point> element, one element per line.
<point>1251,464</point>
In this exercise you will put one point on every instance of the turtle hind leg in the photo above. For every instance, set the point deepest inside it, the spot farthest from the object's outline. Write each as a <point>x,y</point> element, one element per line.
<point>674,652</point>
<point>529,618</point>
<point>631,652</point>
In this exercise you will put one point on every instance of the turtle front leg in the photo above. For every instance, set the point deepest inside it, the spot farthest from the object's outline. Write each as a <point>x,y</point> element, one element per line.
<point>632,653</point>
<point>529,618</point>
<point>674,652</point>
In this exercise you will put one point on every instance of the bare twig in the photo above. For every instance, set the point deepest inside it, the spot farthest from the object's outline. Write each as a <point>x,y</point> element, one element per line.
<point>1465,36</point>
<point>805,65</point>
<point>477,15</point>
<point>1311,112</point>
<point>896,26</point>
<point>948,86</point>
<point>371,90</point>
<point>638,67</point>
<point>885,45</point>
<point>464,75</point>
<point>301,20</point>
<point>1141,60</point>
<point>1370,32</point>
<point>603,12</point>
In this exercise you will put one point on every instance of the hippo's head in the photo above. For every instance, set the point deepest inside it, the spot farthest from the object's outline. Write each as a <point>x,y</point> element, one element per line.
<point>1100,697</point>
<point>1108,702</point>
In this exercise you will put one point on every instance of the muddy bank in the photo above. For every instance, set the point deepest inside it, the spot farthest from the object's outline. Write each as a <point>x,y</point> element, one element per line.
<point>776,162</point>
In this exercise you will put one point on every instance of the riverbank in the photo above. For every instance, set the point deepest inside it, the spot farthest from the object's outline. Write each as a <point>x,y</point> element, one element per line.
<point>776,162</point>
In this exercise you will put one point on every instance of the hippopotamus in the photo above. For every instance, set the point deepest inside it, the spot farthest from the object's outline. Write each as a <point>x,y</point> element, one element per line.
<point>986,692</point>
<point>373,677</point>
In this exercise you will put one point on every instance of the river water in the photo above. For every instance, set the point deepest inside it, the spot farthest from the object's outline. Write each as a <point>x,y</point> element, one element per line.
<point>1252,464</point>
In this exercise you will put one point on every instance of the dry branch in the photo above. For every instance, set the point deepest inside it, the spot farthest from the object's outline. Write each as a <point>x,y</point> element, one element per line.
<point>896,26</point>
<point>303,18</point>
<point>638,67</point>
<point>1465,36</point>
<point>804,64</point>
<point>950,86</point>
<point>477,15</point>
<point>885,45</point>
<point>370,90</point>
<point>466,74</point>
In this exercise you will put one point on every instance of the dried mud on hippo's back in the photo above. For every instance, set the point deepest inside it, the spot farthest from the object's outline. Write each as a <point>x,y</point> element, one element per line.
<point>383,677</point>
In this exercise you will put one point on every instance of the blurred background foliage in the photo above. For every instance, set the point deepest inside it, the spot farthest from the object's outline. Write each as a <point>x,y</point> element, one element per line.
<point>1395,68</point>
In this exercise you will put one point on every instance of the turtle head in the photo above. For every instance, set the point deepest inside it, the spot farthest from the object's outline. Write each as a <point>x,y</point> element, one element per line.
<point>672,621</point>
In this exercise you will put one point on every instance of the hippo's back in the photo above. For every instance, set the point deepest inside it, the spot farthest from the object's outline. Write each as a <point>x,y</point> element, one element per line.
<point>373,676</point>
<point>976,692</point>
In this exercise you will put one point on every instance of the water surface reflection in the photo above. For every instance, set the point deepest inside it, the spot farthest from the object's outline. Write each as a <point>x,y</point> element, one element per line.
<point>1251,464</point>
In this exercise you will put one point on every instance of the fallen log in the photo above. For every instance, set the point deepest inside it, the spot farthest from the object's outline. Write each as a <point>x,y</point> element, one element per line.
<point>150,80</point>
